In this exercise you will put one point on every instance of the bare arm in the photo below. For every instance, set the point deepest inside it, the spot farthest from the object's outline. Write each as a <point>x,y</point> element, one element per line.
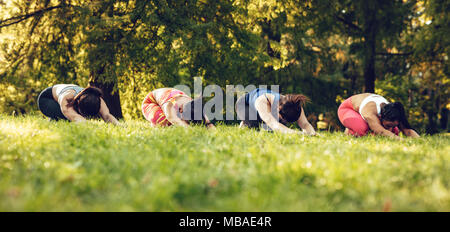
<point>68,111</point>
<point>263,107</point>
<point>370,114</point>
<point>377,128</point>
<point>305,125</point>
<point>171,115</point>
<point>106,115</point>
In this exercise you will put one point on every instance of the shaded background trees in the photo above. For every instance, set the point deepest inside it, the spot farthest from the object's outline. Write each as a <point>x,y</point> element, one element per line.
<point>327,50</point>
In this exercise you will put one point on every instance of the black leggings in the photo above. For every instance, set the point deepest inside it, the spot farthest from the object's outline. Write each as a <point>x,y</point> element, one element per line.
<point>48,106</point>
<point>244,113</point>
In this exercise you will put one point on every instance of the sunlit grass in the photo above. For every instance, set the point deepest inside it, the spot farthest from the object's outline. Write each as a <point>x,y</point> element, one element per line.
<point>93,166</point>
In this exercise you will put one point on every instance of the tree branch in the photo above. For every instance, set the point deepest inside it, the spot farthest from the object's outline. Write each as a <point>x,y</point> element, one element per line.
<point>20,18</point>
<point>350,24</point>
<point>393,54</point>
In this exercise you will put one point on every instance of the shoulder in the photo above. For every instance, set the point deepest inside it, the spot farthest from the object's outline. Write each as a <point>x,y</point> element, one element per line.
<point>66,97</point>
<point>369,110</point>
<point>360,96</point>
<point>358,99</point>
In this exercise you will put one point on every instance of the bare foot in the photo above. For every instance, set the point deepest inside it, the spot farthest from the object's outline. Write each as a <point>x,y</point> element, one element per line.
<point>242,125</point>
<point>347,131</point>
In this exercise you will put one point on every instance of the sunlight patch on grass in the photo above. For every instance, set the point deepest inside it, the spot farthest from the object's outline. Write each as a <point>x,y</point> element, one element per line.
<point>27,130</point>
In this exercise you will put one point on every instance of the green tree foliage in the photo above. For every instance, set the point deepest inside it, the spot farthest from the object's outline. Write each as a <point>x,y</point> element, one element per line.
<point>421,78</point>
<point>327,50</point>
<point>113,42</point>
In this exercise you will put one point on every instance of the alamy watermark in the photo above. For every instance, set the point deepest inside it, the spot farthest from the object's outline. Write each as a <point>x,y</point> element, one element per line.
<point>234,99</point>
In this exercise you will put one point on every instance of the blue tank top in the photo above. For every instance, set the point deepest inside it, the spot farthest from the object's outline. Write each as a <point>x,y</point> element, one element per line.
<point>251,97</point>
<point>76,88</point>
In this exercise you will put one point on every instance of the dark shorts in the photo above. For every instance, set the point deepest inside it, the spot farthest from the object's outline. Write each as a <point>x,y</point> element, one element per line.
<point>245,113</point>
<point>48,106</point>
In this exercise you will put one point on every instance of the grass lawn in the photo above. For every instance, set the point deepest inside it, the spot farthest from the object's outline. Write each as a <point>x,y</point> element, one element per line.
<point>93,166</point>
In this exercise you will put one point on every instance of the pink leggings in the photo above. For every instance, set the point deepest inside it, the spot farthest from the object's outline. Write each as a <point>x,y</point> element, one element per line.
<point>353,121</point>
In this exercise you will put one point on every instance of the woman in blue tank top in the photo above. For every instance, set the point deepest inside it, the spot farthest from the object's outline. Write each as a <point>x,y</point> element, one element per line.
<point>268,108</point>
<point>71,102</point>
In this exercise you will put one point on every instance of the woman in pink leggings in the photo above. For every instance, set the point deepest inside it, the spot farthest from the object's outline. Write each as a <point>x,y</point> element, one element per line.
<point>366,111</point>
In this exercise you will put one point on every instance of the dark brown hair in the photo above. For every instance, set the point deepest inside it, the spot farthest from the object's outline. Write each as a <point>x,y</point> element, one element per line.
<point>290,106</point>
<point>395,112</point>
<point>87,102</point>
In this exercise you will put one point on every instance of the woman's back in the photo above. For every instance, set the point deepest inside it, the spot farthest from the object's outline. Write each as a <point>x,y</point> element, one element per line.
<point>357,100</point>
<point>60,89</point>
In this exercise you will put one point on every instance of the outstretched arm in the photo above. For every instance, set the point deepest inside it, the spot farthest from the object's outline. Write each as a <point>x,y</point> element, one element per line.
<point>263,107</point>
<point>377,128</point>
<point>305,125</point>
<point>105,114</point>
<point>370,114</point>
<point>68,111</point>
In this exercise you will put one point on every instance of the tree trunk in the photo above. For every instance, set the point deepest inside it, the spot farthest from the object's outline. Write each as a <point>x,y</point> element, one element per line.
<point>431,112</point>
<point>107,55</point>
<point>432,127</point>
<point>369,67</point>
<point>111,97</point>
<point>369,32</point>
<point>444,119</point>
